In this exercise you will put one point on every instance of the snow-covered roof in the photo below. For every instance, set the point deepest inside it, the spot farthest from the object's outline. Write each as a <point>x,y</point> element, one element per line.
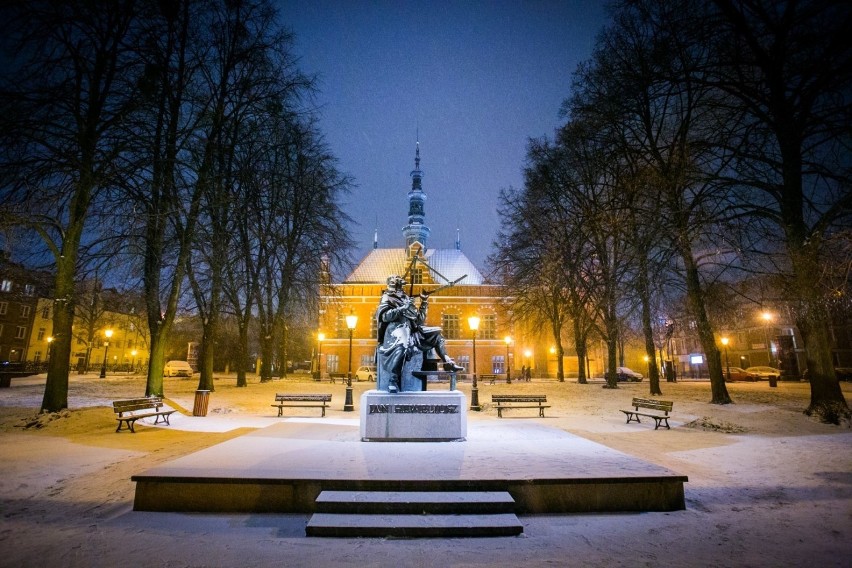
<point>381,263</point>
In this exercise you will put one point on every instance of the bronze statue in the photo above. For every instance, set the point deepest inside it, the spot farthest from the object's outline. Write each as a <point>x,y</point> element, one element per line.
<point>402,332</point>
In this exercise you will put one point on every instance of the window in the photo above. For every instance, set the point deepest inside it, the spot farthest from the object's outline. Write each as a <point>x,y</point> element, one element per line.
<point>40,334</point>
<point>464,361</point>
<point>4,307</point>
<point>498,364</point>
<point>21,332</point>
<point>374,327</point>
<point>29,290</point>
<point>450,326</point>
<point>6,286</point>
<point>488,327</point>
<point>45,312</point>
<point>341,331</point>
<point>332,362</point>
<point>417,276</point>
<point>37,358</point>
<point>25,312</point>
<point>368,360</point>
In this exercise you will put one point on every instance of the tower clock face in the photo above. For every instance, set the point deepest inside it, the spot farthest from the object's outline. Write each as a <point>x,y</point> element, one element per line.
<point>416,208</point>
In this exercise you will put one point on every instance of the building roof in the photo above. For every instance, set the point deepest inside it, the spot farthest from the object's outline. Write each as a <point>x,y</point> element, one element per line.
<point>381,263</point>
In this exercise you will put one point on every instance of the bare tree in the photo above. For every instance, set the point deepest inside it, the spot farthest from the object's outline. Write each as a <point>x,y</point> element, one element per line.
<point>788,65</point>
<point>250,73</point>
<point>637,89</point>
<point>68,87</point>
<point>300,226</point>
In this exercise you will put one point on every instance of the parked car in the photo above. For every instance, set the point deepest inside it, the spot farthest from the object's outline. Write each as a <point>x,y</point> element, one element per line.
<point>177,369</point>
<point>740,374</point>
<point>366,373</point>
<point>764,373</point>
<point>626,374</point>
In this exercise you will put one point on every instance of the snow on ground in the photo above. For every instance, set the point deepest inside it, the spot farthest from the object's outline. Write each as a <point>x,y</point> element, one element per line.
<point>767,486</point>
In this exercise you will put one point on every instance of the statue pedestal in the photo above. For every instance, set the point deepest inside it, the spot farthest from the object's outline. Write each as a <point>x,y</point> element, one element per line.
<point>426,416</point>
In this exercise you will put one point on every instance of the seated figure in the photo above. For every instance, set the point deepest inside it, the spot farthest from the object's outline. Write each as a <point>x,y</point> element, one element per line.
<point>401,332</point>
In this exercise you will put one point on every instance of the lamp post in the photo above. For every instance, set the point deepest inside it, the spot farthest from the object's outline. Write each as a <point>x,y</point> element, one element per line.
<point>320,337</point>
<point>133,361</point>
<point>351,322</point>
<point>107,334</point>
<point>473,322</point>
<point>725,341</point>
<point>528,356</point>
<point>508,366</point>
<point>49,345</point>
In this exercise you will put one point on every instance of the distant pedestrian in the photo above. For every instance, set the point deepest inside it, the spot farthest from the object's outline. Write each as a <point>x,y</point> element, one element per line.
<point>523,376</point>
<point>528,373</point>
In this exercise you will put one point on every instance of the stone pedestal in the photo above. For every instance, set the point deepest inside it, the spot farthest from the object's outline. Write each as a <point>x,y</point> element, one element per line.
<point>427,416</point>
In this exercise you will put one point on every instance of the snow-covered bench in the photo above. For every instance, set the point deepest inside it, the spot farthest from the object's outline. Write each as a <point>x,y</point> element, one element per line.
<point>664,406</point>
<point>132,409</point>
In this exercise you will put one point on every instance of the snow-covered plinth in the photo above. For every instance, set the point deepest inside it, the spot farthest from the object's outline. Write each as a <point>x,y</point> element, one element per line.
<point>427,416</point>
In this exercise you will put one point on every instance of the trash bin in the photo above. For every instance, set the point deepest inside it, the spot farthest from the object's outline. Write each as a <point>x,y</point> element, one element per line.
<point>202,397</point>
<point>773,381</point>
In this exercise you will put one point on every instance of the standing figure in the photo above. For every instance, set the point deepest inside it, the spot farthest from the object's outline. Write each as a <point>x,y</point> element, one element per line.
<point>401,331</point>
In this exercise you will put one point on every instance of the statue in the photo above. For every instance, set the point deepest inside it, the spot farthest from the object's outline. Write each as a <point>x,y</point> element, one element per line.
<point>402,333</point>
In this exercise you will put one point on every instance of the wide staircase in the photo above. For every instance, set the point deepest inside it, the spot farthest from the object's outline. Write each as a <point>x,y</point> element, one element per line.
<point>414,514</point>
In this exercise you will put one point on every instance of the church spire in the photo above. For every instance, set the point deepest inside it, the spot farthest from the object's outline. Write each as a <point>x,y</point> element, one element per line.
<point>416,231</point>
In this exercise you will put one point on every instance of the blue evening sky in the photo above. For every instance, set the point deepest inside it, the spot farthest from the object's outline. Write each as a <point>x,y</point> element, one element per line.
<point>475,78</point>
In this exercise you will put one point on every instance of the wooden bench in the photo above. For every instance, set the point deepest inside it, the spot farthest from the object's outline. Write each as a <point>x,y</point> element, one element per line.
<point>132,409</point>
<point>490,378</point>
<point>301,400</point>
<point>507,401</point>
<point>664,406</point>
<point>335,376</point>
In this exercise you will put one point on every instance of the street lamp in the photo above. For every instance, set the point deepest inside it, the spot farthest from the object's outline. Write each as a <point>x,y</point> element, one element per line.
<point>528,357</point>
<point>351,322</point>
<point>473,322</point>
<point>107,334</point>
<point>49,345</point>
<point>133,361</point>
<point>727,362</point>
<point>508,367</point>
<point>320,338</point>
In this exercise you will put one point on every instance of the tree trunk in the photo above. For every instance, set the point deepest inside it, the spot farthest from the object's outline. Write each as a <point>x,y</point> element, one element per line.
<point>611,356</point>
<point>156,360</point>
<point>827,400</point>
<point>695,299</point>
<point>205,360</point>
<point>56,387</point>
<point>643,289</point>
<point>242,353</point>
<point>580,346</point>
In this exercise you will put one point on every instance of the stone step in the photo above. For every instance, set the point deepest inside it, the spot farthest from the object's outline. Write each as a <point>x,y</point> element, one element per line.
<point>415,502</point>
<point>412,526</point>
